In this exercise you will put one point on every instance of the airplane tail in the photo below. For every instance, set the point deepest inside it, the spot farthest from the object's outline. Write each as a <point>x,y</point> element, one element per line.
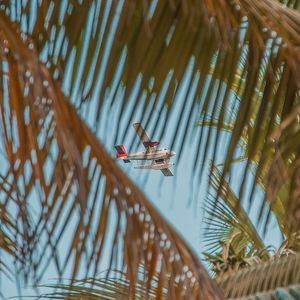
<point>122,153</point>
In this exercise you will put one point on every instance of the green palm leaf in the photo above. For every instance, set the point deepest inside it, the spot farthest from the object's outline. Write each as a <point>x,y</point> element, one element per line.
<point>230,239</point>
<point>231,211</point>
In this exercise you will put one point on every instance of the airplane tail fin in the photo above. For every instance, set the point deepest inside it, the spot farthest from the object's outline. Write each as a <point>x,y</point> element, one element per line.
<point>122,153</point>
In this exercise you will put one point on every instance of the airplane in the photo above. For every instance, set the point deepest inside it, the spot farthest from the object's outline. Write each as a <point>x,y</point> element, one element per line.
<point>160,157</point>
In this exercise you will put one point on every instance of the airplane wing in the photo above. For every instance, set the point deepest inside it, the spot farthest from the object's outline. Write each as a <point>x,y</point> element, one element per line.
<point>141,132</point>
<point>167,172</point>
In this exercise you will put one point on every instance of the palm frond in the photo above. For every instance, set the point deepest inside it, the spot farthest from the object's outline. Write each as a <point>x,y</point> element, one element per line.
<point>155,42</point>
<point>227,221</point>
<point>281,198</point>
<point>268,276</point>
<point>225,227</point>
<point>115,286</point>
<point>292,4</point>
<point>58,171</point>
<point>8,244</point>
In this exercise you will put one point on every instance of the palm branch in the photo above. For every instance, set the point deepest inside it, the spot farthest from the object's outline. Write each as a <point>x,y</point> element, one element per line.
<point>229,211</point>
<point>273,279</point>
<point>230,240</point>
<point>51,152</point>
<point>221,186</point>
<point>263,279</point>
<point>243,36</point>
<point>8,245</point>
<point>154,43</point>
<point>241,263</point>
<point>112,286</point>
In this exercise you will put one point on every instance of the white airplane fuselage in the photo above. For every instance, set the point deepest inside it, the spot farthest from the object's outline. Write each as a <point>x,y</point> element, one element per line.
<point>153,155</point>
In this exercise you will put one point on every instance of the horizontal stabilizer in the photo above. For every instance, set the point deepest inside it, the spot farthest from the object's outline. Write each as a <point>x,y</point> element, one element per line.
<point>121,152</point>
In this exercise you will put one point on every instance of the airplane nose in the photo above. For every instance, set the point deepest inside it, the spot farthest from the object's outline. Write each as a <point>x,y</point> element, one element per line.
<point>173,153</point>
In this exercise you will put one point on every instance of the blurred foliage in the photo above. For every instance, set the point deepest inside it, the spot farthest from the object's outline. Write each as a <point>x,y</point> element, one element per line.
<point>62,62</point>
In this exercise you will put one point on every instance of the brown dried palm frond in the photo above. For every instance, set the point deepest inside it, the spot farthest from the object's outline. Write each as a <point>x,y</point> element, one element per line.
<point>147,47</point>
<point>8,234</point>
<point>61,177</point>
<point>268,276</point>
<point>155,42</point>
